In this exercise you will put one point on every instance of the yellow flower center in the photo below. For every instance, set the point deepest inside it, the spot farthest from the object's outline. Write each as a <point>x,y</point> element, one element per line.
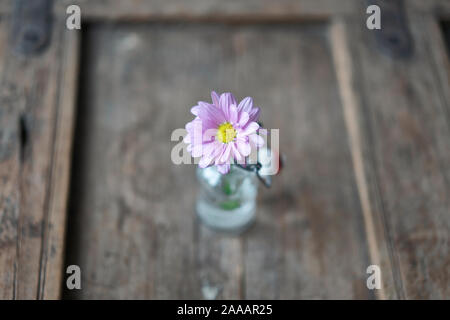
<point>226,132</point>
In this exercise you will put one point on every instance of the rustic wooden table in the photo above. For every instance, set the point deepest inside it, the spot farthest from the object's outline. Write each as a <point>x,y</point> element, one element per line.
<point>86,176</point>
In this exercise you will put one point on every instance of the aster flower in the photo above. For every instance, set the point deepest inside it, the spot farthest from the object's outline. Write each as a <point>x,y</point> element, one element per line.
<point>223,131</point>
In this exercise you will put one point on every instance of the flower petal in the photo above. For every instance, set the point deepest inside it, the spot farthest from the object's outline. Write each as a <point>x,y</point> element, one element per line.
<point>235,152</point>
<point>215,99</point>
<point>243,147</point>
<point>210,113</point>
<point>257,140</point>
<point>243,119</point>
<point>195,131</point>
<point>220,149</point>
<point>205,161</point>
<point>254,114</point>
<point>209,148</point>
<point>245,105</point>
<point>226,154</point>
<point>233,114</point>
<point>224,105</point>
<point>209,134</point>
<point>195,110</point>
<point>223,168</point>
<point>189,126</point>
<point>232,99</point>
<point>197,150</point>
<point>249,129</point>
<point>226,100</point>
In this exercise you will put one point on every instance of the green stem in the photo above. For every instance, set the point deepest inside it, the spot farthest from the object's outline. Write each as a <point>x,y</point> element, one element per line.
<point>228,191</point>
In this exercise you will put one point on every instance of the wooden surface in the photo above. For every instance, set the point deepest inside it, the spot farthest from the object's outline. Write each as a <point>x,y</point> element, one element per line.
<point>367,140</point>
<point>402,138</point>
<point>231,10</point>
<point>35,141</point>
<point>135,232</point>
<point>198,9</point>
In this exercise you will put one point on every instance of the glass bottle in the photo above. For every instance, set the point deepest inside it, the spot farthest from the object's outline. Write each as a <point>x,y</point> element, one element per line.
<point>227,202</point>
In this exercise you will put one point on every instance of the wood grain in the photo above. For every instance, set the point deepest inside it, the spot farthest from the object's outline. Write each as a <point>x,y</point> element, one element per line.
<point>133,228</point>
<point>132,10</point>
<point>10,172</point>
<point>52,268</point>
<point>351,100</point>
<point>30,111</point>
<point>207,9</point>
<point>402,111</point>
<point>216,10</point>
<point>309,241</point>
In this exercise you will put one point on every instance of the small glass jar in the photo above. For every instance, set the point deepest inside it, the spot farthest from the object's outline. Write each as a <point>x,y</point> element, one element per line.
<point>227,202</point>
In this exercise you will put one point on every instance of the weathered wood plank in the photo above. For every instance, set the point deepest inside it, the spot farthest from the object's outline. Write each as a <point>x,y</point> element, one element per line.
<point>52,269</point>
<point>402,111</point>
<point>220,265</point>
<point>309,240</point>
<point>134,233</point>
<point>29,94</point>
<point>39,86</point>
<point>206,9</point>
<point>350,97</point>
<point>239,11</point>
<point>9,171</point>
<point>199,9</point>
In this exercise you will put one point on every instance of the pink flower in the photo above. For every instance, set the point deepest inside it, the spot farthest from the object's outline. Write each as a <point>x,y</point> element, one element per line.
<point>222,131</point>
